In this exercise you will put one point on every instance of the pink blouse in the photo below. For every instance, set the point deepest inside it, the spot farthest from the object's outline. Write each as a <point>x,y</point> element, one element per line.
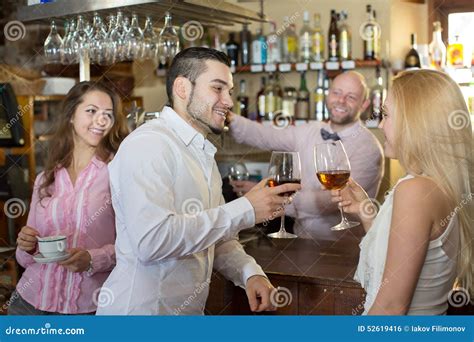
<point>84,214</point>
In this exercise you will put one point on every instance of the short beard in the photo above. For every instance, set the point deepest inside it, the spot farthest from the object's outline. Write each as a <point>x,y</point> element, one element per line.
<point>347,120</point>
<point>197,115</point>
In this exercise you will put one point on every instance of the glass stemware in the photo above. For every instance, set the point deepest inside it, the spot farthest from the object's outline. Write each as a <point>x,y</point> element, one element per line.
<point>150,42</point>
<point>98,41</point>
<point>52,45</point>
<point>333,170</point>
<point>168,43</point>
<point>134,40</point>
<point>80,41</point>
<point>238,172</point>
<point>285,167</point>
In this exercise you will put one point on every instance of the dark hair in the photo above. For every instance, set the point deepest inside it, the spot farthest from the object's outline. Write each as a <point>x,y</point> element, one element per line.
<point>191,63</point>
<point>61,146</point>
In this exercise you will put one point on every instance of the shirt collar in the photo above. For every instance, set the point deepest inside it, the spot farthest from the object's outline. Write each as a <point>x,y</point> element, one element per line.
<point>185,131</point>
<point>97,162</point>
<point>349,131</point>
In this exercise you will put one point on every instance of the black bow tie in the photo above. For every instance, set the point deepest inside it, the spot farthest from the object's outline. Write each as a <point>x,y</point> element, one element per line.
<point>326,135</point>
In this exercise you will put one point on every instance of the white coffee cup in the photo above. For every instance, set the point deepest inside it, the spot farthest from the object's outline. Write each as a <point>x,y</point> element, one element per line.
<point>51,246</point>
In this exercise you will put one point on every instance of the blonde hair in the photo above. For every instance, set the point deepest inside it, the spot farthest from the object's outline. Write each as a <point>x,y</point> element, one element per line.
<point>433,138</point>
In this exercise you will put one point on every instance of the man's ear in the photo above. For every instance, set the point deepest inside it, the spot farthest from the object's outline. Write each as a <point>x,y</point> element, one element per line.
<point>365,105</point>
<point>182,88</point>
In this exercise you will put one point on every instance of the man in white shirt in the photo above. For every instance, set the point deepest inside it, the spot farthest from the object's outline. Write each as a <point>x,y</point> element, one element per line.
<point>173,226</point>
<point>312,208</point>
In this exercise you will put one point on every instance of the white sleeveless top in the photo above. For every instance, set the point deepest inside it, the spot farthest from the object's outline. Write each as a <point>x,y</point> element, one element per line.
<point>438,272</point>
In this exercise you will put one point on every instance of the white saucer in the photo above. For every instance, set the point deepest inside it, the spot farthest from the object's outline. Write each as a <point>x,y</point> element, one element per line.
<point>40,259</point>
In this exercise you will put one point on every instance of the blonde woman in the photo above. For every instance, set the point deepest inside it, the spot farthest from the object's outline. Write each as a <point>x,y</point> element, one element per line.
<point>420,242</point>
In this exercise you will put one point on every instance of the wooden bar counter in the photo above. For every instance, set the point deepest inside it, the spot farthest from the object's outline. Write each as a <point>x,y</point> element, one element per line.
<point>316,277</point>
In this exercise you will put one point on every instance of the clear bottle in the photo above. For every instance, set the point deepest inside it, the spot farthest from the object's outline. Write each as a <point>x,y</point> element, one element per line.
<point>259,48</point>
<point>232,48</point>
<point>377,98</point>
<point>437,48</point>
<point>273,45</point>
<point>345,38</point>
<point>333,37</point>
<point>273,98</point>
<point>134,40</point>
<point>305,40</point>
<point>168,42</point>
<point>370,34</point>
<point>318,40</point>
<point>289,101</point>
<point>318,96</point>
<point>290,43</point>
<point>245,44</point>
<point>455,54</point>
<point>261,102</point>
<point>242,100</point>
<point>303,105</point>
<point>412,59</point>
<point>52,45</point>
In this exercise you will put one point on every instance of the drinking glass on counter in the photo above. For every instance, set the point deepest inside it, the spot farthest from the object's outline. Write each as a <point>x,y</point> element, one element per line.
<point>333,171</point>
<point>285,167</point>
<point>238,172</point>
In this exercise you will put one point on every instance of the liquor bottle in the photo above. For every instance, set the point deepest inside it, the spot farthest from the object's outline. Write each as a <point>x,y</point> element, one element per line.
<point>245,41</point>
<point>345,38</point>
<point>455,54</point>
<point>243,100</point>
<point>319,97</point>
<point>273,98</point>
<point>370,35</point>
<point>437,48</point>
<point>377,43</point>
<point>261,100</point>
<point>289,102</point>
<point>273,45</point>
<point>333,36</point>
<point>302,104</point>
<point>412,59</point>
<point>290,43</point>
<point>232,49</point>
<point>326,115</point>
<point>259,48</point>
<point>318,39</point>
<point>305,38</point>
<point>377,98</point>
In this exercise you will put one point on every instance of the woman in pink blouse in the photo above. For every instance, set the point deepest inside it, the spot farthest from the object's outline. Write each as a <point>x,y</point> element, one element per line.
<point>72,198</point>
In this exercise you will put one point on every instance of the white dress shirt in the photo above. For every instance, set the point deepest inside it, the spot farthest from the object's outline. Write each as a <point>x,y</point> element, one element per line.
<point>172,223</point>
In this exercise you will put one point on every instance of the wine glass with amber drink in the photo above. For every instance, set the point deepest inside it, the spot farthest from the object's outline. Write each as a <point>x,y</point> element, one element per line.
<point>333,171</point>
<point>285,167</point>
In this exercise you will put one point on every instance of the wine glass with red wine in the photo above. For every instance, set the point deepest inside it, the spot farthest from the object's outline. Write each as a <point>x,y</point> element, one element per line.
<point>285,167</point>
<point>333,171</point>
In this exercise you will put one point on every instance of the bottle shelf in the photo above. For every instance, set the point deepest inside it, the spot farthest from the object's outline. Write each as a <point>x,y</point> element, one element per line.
<point>330,67</point>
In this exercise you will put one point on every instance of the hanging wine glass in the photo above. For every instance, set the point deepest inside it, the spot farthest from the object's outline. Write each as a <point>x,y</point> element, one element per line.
<point>62,49</point>
<point>68,55</point>
<point>117,37</point>
<point>150,42</point>
<point>52,45</point>
<point>110,45</point>
<point>168,43</point>
<point>98,41</point>
<point>134,40</point>
<point>80,41</point>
